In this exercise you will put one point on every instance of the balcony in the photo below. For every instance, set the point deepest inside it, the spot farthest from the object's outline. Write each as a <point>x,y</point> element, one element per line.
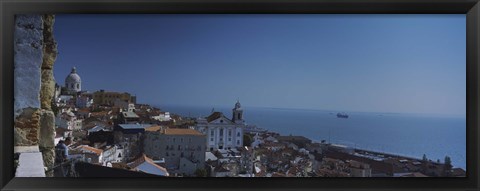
<point>30,162</point>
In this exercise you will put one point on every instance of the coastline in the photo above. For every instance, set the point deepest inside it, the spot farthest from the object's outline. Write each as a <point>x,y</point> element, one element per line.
<point>196,110</point>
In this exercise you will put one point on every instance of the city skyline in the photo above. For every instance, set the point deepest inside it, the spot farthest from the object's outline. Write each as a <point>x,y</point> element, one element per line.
<point>371,63</point>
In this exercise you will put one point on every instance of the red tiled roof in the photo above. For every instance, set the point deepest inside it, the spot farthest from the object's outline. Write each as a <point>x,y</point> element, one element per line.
<point>143,158</point>
<point>216,115</point>
<point>153,128</point>
<point>89,149</point>
<point>176,131</point>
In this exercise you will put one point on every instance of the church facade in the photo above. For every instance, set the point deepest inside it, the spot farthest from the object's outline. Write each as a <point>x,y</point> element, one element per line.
<point>222,132</point>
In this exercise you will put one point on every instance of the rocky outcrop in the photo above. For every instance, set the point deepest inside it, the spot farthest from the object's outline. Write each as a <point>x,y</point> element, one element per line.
<point>28,58</point>
<point>47,125</point>
<point>35,52</point>
<point>27,126</point>
<point>49,56</point>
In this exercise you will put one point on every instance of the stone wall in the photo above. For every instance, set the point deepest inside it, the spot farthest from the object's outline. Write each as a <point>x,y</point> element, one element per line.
<point>35,51</point>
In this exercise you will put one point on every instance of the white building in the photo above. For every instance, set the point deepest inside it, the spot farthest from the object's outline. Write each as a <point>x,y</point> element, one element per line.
<point>112,154</point>
<point>73,83</point>
<point>222,132</point>
<point>64,100</point>
<point>83,101</point>
<point>90,154</point>
<point>68,120</point>
<point>163,116</point>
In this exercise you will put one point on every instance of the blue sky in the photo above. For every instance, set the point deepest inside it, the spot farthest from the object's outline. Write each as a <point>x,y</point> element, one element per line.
<point>373,63</point>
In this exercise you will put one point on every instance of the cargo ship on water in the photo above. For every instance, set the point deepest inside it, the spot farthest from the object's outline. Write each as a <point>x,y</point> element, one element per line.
<point>342,115</point>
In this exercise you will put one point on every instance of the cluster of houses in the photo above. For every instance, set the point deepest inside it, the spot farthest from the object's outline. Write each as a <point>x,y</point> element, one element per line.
<point>111,130</point>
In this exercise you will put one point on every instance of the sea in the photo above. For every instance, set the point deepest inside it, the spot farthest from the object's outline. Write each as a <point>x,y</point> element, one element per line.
<point>411,135</point>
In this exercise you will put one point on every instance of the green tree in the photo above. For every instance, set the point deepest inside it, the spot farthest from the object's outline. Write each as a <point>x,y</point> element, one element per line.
<point>201,172</point>
<point>247,139</point>
<point>54,107</point>
<point>448,161</point>
<point>447,167</point>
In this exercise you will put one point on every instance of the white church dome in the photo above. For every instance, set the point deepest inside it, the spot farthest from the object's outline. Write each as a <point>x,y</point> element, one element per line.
<point>73,77</point>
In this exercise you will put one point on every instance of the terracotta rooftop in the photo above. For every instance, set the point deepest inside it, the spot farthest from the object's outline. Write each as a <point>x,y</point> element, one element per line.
<point>176,131</point>
<point>153,128</point>
<point>458,172</point>
<point>90,149</point>
<point>216,115</point>
<point>143,158</point>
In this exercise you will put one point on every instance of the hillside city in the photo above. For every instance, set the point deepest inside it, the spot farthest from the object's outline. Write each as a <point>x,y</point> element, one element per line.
<point>113,135</point>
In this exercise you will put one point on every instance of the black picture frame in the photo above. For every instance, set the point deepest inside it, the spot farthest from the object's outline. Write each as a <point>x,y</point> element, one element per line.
<point>8,8</point>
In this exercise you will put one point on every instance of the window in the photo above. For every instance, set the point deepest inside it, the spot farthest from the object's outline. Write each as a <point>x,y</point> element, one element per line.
<point>211,139</point>
<point>221,121</point>
<point>211,133</point>
<point>166,154</point>
<point>238,134</point>
<point>78,86</point>
<point>230,133</point>
<point>239,117</point>
<point>229,139</point>
<point>71,86</point>
<point>181,154</point>
<point>174,140</point>
<point>166,148</point>
<point>221,132</point>
<point>179,147</point>
<point>189,140</point>
<point>238,142</point>
<point>181,140</point>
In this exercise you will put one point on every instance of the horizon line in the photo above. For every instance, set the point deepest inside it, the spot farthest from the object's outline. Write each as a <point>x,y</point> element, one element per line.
<point>313,109</point>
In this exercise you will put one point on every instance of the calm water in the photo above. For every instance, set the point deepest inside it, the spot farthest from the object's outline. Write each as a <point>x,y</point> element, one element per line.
<point>406,134</point>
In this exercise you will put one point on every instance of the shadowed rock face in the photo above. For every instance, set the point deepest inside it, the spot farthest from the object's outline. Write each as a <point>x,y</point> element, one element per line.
<point>35,52</point>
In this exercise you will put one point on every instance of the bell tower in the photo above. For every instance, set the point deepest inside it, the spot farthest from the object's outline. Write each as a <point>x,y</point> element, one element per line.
<point>237,112</point>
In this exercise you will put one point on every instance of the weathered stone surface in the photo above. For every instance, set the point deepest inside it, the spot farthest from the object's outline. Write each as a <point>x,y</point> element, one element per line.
<point>20,137</point>
<point>28,29</point>
<point>26,149</point>
<point>47,129</point>
<point>28,58</point>
<point>47,89</point>
<point>50,45</point>
<point>35,52</point>
<point>48,159</point>
<point>27,126</point>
